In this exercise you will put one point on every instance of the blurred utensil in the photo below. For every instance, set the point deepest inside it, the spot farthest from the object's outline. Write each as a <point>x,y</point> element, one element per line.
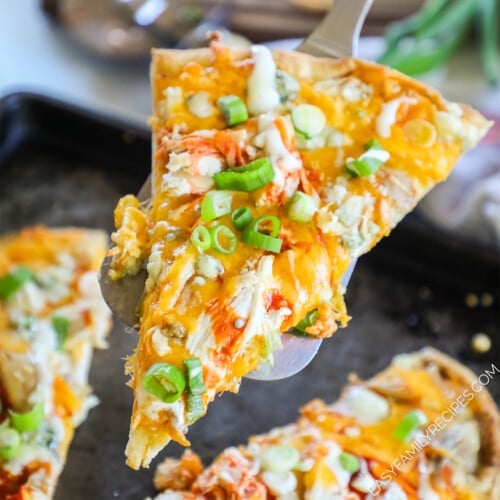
<point>128,29</point>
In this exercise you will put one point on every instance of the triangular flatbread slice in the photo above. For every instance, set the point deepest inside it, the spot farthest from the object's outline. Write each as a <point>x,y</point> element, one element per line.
<point>335,153</point>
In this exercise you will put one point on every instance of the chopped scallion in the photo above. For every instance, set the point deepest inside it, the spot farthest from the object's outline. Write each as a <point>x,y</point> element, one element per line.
<point>280,458</point>
<point>309,319</point>
<point>165,382</point>
<point>369,162</point>
<point>10,441</point>
<point>200,238</point>
<point>349,462</point>
<point>262,223</point>
<point>28,421</point>
<point>262,241</point>
<point>195,408</point>
<point>233,109</point>
<point>195,376</point>
<point>241,218</point>
<point>308,120</point>
<point>223,239</point>
<point>61,327</point>
<point>410,423</point>
<point>301,207</point>
<point>215,204</point>
<point>248,178</point>
<point>13,281</point>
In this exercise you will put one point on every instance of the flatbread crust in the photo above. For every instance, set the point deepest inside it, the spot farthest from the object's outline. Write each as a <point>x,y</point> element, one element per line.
<point>483,406</point>
<point>74,256</point>
<point>186,477</point>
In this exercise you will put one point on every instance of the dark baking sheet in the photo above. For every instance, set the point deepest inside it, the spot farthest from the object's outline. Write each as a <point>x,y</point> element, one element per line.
<point>62,166</point>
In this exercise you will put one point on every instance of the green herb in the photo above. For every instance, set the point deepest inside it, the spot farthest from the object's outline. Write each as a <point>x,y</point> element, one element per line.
<point>14,281</point>
<point>165,382</point>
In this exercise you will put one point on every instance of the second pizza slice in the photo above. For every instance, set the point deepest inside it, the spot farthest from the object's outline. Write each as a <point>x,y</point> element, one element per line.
<point>272,172</point>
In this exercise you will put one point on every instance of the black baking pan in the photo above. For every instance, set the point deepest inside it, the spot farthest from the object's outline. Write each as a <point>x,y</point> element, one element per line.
<point>63,166</point>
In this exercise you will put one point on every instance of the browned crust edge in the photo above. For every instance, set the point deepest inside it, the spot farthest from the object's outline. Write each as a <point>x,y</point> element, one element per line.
<point>484,410</point>
<point>304,66</point>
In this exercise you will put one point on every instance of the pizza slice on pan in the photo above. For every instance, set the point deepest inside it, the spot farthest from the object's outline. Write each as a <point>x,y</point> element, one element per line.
<point>271,173</point>
<point>52,315</point>
<point>424,428</point>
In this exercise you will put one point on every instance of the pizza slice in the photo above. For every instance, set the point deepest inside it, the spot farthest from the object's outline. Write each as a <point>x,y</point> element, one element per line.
<point>425,427</point>
<point>52,315</point>
<point>272,172</point>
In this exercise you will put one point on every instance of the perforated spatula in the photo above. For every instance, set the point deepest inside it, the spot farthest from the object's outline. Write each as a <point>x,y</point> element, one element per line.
<point>336,37</point>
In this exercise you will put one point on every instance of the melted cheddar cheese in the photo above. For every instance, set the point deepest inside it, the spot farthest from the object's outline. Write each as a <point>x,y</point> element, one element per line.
<point>226,310</point>
<point>40,364</point>
<point>438,460</point>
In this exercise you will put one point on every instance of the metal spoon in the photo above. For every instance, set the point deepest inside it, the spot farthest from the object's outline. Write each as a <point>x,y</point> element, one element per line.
<point>337,36</point>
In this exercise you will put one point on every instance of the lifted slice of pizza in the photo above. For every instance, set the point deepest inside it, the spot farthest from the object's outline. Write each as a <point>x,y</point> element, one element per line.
<point>52,315</point>
<point>271,173</point>
<point>424,428</point>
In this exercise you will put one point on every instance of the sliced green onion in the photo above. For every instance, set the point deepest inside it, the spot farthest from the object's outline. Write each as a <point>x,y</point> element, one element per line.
<point>369,162</point>
<point>165,382</point>
<point>248,178</point>
<point>61,327</point>
<point>309,319</point>
<point>200,238</point>
<point>223,239</point>
<point>262,241</point>
<point>215,204</point>
<point>260,225</point>
<point>280,458</point>
<point>373,143</point>
<point>28,421</point>
<point>195,376</point>
<point>195,408</point>
<point>233,109</point>
<point>349,462</point>
<point>309,120</point>
<point>410,423</point>
<point>301,207</point>
<point>241,218</point>
<point>10,441</point>
<point>13,281</point>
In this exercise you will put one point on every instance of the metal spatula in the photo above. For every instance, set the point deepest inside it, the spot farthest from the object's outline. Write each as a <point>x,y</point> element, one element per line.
<point>337,36</point>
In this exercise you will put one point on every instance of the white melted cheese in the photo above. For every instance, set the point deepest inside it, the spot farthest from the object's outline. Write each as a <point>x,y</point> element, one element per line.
<point>332,461</point>
<point>328,137</point>
<point>173,98</point>
<point>159,341</point>
<point>425,490</point>
<point>350,89</point>
<point>280,483</point>
<point>349,217</point>
<point>283,161</point>
<point>200,105</point>
<point>186,176</point>
<point>366,406</point>
<point>209,267</point>
<point>157,410</point>
<point>154,265</point>
<point>262,95</point>
<point>387,116</point>
<point>394,492</point>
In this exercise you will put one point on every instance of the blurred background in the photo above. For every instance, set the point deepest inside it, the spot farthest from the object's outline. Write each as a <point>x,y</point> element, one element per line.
<point>95,52</point>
